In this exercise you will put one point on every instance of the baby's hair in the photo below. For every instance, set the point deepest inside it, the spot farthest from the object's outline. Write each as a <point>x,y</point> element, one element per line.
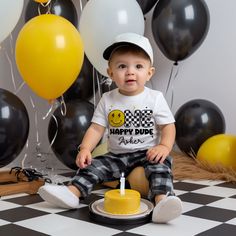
<point>129,48</point>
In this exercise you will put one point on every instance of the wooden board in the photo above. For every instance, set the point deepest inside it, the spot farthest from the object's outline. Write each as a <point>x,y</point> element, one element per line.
<point>10,184</point>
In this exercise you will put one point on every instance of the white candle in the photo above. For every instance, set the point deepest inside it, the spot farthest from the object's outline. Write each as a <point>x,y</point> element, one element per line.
<point>122,184</point>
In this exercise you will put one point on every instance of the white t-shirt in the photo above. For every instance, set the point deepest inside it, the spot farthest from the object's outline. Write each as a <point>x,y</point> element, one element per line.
<point>132,121</point>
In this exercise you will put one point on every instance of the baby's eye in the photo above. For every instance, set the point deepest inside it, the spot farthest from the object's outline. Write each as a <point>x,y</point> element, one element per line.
<point>139,66</point>
<point>122,66</point>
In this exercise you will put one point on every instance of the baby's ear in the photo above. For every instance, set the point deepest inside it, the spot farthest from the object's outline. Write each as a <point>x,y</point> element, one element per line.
<point>109,72</point>
<point>152,69</point>
<point>151,72</point>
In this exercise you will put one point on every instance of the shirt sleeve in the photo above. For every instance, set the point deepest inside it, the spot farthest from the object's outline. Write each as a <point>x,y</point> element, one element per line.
<point>163,114</point>
<point>99,116</point>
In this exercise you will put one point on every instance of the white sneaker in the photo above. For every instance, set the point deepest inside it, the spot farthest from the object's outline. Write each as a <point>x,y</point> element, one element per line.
<point>59,196</point>
<point>167,209</point>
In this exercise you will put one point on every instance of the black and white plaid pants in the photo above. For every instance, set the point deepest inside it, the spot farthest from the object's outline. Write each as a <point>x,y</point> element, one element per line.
<point>108,167</point>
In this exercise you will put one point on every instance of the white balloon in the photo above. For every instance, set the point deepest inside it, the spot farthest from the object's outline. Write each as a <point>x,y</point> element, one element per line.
<point>102,20</point>
<point>10,12</point>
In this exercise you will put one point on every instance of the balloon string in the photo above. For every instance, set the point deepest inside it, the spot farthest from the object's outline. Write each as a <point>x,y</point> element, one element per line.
<point>16,90</point>
<point>94,91</point>
<point>192,153</point>
<point>168,85</point>
<point>55,135</point>
<point>172,88</point>
<point>20,87</point>
<point>49,111</point>
<point>32,102</point>
<point>26,155</point>
<point>81,5</point>
<point>35,121</point>
<point>106,80</point>
<point>11,43</point>
<point>63,106</point>
<point>36,125</point>
<point>47,4</point>
<point>51,144</point>
<point>38,143</point>
<point>171,82</point>
<point>11,69</point>
<point>14,85</point>
<point>11,65</point>
<point>98,83</point>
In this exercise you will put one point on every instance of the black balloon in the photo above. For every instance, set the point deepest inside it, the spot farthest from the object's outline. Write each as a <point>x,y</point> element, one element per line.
<point>14,126</point>
<point>64,8</point>
<point>85,85</point>
<point>196,121</point>
<point>180,26</point>
<point>66,132</point>
<point>146,5</point>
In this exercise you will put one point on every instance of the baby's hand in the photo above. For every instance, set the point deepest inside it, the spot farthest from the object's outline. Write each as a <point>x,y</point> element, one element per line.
<point>84,158</point>
<point>157,153</point>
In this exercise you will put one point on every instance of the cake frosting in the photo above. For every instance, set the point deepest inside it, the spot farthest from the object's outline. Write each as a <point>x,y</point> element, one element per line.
<point>115,203</point>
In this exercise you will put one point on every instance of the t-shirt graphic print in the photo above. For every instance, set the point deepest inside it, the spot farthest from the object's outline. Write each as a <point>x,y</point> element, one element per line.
<point>132,121</point>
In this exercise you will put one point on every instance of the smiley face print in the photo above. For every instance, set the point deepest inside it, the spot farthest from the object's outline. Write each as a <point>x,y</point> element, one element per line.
<point>116,118</point>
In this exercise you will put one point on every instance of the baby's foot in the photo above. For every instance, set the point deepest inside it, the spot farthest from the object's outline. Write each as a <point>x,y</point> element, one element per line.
<point>59,196</point>
<point>167,209</point>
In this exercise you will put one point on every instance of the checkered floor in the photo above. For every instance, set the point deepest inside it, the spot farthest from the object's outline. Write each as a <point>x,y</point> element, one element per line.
<point>209,209</point>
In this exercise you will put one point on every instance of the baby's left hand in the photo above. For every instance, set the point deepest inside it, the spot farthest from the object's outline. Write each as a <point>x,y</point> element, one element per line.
<point>157,153</point>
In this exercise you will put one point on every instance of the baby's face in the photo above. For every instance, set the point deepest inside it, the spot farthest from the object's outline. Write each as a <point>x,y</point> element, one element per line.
<point>130,71</point>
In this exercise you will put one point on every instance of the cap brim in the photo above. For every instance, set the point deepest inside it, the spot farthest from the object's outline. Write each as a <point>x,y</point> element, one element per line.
<point>108,51</point>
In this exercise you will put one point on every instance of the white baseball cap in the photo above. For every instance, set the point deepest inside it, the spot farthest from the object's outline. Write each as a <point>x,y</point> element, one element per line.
<point>126,39</point>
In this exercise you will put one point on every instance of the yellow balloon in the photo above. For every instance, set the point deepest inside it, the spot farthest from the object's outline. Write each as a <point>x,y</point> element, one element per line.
<point>219,150</point>
<point>49,55</point>
<point>41,1</point>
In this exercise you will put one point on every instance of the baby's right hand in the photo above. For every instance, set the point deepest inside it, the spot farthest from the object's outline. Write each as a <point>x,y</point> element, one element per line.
<point>84,158</point>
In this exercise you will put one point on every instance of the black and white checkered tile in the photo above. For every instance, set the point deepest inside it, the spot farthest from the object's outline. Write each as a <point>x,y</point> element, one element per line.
<point>209,209</point>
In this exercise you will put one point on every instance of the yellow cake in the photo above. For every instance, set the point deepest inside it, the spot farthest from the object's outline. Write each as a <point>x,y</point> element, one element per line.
<point>118,204</point>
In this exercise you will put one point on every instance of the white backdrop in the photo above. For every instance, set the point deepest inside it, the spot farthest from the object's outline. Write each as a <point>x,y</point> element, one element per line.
<point>209,73</point>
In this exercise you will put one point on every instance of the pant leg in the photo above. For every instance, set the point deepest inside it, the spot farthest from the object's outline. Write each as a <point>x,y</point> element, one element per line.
<point>103,168</point>
<point>160,178</point>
